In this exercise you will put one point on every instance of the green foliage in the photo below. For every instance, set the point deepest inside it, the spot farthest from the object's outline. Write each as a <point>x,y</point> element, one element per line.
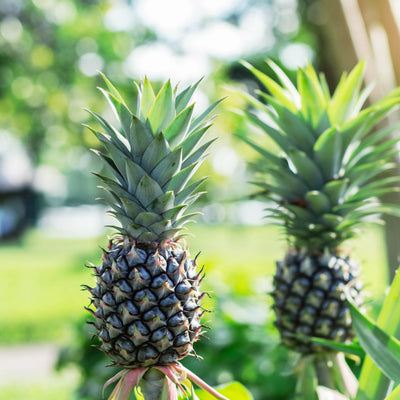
<point>40,79</point>
<point>233,391</point>
<point>152,158</point>
<point>380,341</point>
<point>380,346</point>
<point>242,345</point>
<point>323,179</point>
<point>59,388</point>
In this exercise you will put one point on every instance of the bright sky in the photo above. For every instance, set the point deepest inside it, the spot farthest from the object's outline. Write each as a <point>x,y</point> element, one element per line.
<point>192,33</point>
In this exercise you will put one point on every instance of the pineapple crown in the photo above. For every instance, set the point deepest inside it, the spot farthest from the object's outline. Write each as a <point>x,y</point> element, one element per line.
<point>327,174</point>
<point>152,158</point>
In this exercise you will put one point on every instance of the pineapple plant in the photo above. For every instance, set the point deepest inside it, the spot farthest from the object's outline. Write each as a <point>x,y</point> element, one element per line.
<point>322,171</point>
<point>146,302</point>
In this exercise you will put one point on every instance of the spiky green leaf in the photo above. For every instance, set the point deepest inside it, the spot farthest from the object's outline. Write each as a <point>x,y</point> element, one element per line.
<point>162,111</point>
<point>296,128</point>
<point>133,173</point>
<point>278,137</point>
<point>177,130</point>
<point>313,102</point>
<point>198,155</point>
<point>192,141</point>
<point>140,137</point>
<point>328,153</point>
<point>148,190</point>
<point>145,99</point>
<point>276,90</point>
<point>179,180</point>
<point>184,193</point>
<point>205,116</point>
<point>113,168</point>
<point>345,97</point>
<point>157,150</point>
<point>318,202</point>
<point>184,97</point>
<point>286,177</point>
<point>113,90</point>
<point>267,155</point>
<point>381,347</point>
<point>287,83</point>
<point>167,167</point>
<point>147,218</point>
<point>115,137</point>
<point>306,169</point>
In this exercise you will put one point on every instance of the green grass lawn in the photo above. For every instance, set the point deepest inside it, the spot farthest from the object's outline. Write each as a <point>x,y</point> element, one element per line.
<point>40,288</point>
<point>56,387</point>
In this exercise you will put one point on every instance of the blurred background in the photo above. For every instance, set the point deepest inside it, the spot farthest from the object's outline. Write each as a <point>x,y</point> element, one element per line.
<point>50,224</point>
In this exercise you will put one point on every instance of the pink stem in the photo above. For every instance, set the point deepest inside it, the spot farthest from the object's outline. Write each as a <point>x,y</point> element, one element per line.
<point>199,382</point>
<point>127,380</point>
<point>168,372</point>
<point>113,379</point>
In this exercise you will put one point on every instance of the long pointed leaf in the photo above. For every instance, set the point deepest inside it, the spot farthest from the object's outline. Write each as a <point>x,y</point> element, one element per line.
<point>155,152</point>
<point>270,157</point>
<point>162,111</point>
<point>381,347</point>
<point>183,98</point>
<point>275,89</point>
<point>287,83</point>
<point>307,169</point>
<point>281,140</point>
<point>145,99</point>
<point>190,143</point>
<point>113,90</point>
<point>312,97</point>
<point>395,395</point>
<point>205,115</point>
<point>167,167</point>
<point>346,95</point>
<point>183,194</point>
<point>198,154</point>
<point>373,383</point>
<point>116,138</point>
<point>140,137</point>
<point>112,167</point>
<point>179,181</point>
<point>148,190</point>
<point>120,110</point>
<point>328,153</point>
<point>178,128</point>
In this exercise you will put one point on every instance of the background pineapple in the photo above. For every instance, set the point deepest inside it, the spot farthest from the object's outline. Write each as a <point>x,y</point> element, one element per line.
<point>324,181</point>
<point>147,296</point>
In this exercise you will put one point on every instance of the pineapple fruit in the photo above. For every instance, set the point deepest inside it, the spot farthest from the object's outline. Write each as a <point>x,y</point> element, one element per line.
<point>147,299</point>
<point>322,171</point>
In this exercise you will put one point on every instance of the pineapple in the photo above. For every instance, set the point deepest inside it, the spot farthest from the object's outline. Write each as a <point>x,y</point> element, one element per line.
<point>324,180</point>
<point>147,299</point>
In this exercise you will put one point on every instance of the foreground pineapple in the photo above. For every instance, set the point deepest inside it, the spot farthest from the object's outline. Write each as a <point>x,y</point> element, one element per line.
<point>324,181</point>
<point>147,296</point>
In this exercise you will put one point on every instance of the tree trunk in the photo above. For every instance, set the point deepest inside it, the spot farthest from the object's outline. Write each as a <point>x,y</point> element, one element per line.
<point>353,30</point>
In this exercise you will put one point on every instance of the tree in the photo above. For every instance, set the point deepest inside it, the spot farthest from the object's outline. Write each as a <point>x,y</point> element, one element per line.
<point>352,30</point>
